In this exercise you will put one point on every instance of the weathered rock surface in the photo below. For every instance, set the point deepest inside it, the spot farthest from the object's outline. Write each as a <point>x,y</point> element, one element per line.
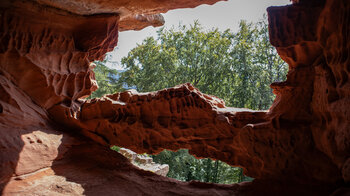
<point>140,21</point>
<point>134,15</point>
<point>144,162</point>
<point>53,142</point>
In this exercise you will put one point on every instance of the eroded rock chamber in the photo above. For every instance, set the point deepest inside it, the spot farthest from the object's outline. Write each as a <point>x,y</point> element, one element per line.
<point>54,142</point>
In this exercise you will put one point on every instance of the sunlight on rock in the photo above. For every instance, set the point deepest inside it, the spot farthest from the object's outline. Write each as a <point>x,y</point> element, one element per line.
<point>145,162</point>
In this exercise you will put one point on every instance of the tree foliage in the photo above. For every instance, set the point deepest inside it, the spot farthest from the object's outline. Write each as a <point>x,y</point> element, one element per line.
<point>107,79</point>
<point>186,167</point>
<point>237,67</point>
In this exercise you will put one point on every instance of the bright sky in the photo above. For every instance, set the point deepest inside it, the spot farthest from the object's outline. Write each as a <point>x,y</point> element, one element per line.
<point>222,15</point>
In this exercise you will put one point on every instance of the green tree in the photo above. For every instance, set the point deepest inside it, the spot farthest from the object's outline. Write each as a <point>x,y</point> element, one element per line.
<point>272,66</point>
<point>244,72</point>
<point>180,56</point>
<point>107,79</point>
<point>237,67</point>
<point>186,167</point>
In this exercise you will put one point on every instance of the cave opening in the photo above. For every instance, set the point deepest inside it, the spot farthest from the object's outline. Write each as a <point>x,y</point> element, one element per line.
<point>182,166</point>
<point>241,76</point>
<point>56,142</point>
<point>232,60</point>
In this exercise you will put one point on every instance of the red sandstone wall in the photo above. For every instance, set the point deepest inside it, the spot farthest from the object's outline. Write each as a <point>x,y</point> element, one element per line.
<point>300,146</point>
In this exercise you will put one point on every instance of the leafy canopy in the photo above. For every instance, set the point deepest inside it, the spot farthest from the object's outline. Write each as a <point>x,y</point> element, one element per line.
<point>237,67</point>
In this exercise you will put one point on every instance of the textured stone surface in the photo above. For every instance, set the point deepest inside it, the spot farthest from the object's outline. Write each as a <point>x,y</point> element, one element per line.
<point>94,170</point>
<point>144,162</point>
<point>50,134</point>
<point>122,7</point>
<point>318,57</point>
<point>134,15</point>
<point>140,21</point>
<point>49,59</point>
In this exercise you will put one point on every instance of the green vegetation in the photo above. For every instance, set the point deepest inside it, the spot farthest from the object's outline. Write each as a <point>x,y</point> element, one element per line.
<point>106,79</point>
<point>237,67</point>
<point>115,148</point>
<point>186,167</point>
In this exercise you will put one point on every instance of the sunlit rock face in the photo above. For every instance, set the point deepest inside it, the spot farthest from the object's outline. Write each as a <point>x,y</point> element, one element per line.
<point>53,142</point>
<point>144,162</point>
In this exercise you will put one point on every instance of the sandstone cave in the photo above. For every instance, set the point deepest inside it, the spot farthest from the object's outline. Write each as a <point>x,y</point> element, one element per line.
<point>54,142</point>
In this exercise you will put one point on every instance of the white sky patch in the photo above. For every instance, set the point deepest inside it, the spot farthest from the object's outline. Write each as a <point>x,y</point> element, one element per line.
<point>222,15</point>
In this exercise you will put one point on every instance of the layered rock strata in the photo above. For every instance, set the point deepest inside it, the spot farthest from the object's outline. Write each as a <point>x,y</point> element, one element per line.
<point>53,141</point>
